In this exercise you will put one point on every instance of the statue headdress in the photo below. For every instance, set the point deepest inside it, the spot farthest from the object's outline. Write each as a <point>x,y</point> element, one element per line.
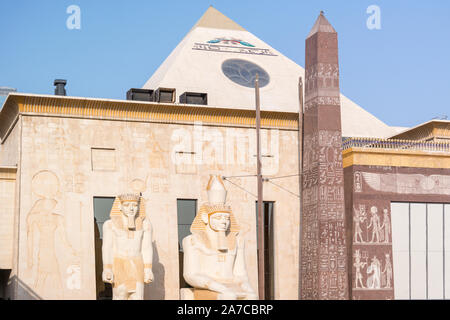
<point>216,195</point>
<point>116,215</point>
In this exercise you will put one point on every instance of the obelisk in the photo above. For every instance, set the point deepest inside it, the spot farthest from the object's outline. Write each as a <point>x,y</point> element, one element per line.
<point>324,253</point>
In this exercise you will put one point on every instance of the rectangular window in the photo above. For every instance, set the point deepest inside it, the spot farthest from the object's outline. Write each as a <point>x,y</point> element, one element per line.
<point>186,211</point>
<point>420,244</point>
<point>269,254</point>
<point>102,209</point>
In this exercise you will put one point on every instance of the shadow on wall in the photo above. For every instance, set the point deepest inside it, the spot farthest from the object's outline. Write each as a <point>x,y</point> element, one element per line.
<point>156,290</point>
<point>24,292</point>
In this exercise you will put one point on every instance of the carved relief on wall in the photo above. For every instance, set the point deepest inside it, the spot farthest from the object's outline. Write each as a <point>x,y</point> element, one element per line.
<point>138,185</point>
<point>158,183</point>
<point>372,250</point>
<point>159,158</point>
<point>371,226</point>
<point>403,183</point>
<point>45,232</point>
<point>372,272</point>
<point>75,183</point>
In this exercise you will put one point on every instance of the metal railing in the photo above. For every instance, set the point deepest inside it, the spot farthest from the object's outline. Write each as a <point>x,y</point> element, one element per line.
<point>394,144</point>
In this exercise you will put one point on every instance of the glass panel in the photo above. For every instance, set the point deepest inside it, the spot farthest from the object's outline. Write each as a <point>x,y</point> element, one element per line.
<point>418,251</point>
<point>244,73</point>
<point>447,250</point>
<point>186,211</point>
<point>435,247</point>
<point>400,248</point>
<point>102,208</point>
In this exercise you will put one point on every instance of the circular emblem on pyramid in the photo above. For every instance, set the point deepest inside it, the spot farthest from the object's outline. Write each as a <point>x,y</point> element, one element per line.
<point>244,73</point>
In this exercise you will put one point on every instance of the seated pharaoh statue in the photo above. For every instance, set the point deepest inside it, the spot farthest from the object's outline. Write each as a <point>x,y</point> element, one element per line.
<point>127,248</point>
<point>214,256</point>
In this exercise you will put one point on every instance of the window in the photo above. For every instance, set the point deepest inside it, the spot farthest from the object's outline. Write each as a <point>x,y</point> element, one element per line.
<point>244,73</point>
<point>102,208</point>
<point>269,282</point>
<point>420,244</point>
<point>186,211</point>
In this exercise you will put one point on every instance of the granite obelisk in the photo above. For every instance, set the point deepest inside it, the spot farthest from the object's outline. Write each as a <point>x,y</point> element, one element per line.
<point>324,252</point>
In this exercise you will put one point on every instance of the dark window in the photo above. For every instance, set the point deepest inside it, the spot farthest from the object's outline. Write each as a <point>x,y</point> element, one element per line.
<point>269,281</point>
<point>186,211</point>
<point>102,209</point>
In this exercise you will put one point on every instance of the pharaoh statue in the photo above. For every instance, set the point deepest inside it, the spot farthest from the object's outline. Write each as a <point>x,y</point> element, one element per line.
<point>214,256</point>
<point>127,248</point>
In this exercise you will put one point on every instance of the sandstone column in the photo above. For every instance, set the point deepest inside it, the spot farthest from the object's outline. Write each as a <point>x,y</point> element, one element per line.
<point>324,253</point>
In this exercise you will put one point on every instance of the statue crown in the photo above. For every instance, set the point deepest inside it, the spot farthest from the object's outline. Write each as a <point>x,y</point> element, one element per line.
<point>129,197</point>
<point>217,193</point>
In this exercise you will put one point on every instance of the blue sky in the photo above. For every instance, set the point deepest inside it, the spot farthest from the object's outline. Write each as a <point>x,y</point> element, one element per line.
<point>399,73</point>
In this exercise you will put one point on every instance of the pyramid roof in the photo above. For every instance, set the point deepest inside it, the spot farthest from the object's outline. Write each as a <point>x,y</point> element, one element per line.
<point>220,58</point>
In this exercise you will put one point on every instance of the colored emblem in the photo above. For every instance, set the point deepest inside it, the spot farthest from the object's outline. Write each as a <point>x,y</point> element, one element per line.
<point>231,41</point>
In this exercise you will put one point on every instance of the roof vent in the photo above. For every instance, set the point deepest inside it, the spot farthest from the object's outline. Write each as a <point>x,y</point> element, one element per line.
<point>140,94</point>
<point>194,98</point>
<point>165,95</point>
<point>60,89</point>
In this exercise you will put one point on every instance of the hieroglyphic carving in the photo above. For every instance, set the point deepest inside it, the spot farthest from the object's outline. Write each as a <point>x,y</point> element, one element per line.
<point>323,242</point>
<point>159,183</point>
<point>322,71</point>
<point>331,101</point>
<point>357,181</point>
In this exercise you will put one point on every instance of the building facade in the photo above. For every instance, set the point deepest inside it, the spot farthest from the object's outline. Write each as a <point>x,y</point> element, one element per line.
<point>63,160</point>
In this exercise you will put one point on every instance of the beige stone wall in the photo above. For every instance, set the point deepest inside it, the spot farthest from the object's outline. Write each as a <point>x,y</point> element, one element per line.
<point>7,197</point>
<point>9,148</point>
<point>9,160</point>
<point>84,158</point>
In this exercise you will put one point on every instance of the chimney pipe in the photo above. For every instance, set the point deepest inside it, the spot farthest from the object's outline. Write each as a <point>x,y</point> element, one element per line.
<point>60,84</point>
